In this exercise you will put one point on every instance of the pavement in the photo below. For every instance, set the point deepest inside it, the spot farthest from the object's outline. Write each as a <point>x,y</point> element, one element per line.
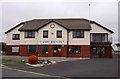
<point>57,59</point>
<point>71,67</point>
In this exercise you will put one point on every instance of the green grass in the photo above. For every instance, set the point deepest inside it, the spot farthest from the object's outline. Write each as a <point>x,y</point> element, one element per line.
<point>10,60</point>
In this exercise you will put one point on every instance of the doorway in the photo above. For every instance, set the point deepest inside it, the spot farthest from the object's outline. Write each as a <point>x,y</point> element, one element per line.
<point>57,49</point>
<point>97,51</point>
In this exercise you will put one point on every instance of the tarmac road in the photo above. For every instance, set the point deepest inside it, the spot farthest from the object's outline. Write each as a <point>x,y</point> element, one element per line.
<point>77,68</point>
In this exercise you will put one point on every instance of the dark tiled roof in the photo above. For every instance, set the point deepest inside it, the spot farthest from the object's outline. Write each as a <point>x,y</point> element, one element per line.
<point>34,24</point>
<point>69,24</point>
<point>74,23</point>
<point>66,23</point>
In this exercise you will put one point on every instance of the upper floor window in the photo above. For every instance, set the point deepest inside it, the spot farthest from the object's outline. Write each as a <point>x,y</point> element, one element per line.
<point>59,33</point>
<point>45,34</point>
<point>99,37</point>
<point>78,34</point>
<point>29,34</point>
<point>16,36</point>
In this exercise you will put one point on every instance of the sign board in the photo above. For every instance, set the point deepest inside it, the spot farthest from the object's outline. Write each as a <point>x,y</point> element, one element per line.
<point>52,42</point>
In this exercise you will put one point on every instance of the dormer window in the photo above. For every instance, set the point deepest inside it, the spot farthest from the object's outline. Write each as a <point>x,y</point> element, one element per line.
<point>30,34</point>
<point>16,36</point>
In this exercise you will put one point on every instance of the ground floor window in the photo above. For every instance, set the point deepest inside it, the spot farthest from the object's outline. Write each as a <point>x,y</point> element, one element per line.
<point>74,49</point>
<point>98,50</point>
<point>32,48</point>
<point>45,49</point>
<point>57,48</point>
<point>15,49</point>
<point>101,50</point>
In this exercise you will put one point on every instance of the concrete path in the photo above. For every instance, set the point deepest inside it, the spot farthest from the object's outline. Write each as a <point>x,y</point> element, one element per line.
<point>57,59</point>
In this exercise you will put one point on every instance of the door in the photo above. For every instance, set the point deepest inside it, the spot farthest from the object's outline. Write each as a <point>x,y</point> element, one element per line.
<point>94,52</point>
<point>98,52</point>
<point>57,49</point>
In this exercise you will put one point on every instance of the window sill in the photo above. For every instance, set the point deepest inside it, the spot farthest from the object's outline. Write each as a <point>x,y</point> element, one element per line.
<point>74,53</point>
<point>59,37</point>
<point>78,37</point>
<point>15,39</point>
<point>29,37</point>
<point>45,37</point>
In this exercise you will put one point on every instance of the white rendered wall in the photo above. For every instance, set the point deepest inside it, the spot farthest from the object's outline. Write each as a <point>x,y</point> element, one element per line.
<point>98,29</point>
<point>52,37</point>
<point>28,41</point>
<point>80,41</point>
<point>9,37</point>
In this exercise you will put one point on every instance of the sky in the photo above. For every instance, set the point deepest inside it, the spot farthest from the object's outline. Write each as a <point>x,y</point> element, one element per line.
<point>15,11</point>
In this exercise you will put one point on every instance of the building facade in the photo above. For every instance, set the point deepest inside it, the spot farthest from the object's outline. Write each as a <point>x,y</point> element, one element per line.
<point>59,38</point>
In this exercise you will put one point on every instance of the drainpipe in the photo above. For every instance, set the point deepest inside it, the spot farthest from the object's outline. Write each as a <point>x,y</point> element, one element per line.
<point>67,41</point>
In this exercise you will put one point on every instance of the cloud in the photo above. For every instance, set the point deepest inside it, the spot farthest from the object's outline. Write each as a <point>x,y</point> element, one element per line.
<point>103,13</point>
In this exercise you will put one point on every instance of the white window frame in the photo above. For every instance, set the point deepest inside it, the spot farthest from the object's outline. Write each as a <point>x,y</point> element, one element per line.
<point>15,49</point>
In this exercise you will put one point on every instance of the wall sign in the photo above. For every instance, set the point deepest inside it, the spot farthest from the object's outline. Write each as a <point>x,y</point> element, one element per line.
<point>52,42</point>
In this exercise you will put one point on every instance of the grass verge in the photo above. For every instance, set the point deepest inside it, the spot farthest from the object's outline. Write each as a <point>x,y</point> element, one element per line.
<point>11,60</point>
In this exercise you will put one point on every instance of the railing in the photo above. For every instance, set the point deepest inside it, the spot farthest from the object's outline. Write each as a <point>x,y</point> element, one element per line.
<point>101,40</point>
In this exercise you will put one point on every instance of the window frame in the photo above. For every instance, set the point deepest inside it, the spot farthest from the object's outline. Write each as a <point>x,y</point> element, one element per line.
<point>15,36</point>
<point>45,36</point>
<point>57,34</point>
<point>44,50</point>
<point>57,48</point>
<point>97,52</point>
<point>18,49</point>
<point>28,34</point>
<point>32,50</point>
<point>78,34</point>
<point>74,49</point>
<point>103,37</point>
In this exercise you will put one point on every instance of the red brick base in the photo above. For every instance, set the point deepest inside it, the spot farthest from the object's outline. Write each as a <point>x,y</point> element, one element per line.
<point>107,54</point>
<point>84,51</point>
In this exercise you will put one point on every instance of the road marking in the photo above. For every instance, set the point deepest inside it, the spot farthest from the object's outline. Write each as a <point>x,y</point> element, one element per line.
<point>6,67</point>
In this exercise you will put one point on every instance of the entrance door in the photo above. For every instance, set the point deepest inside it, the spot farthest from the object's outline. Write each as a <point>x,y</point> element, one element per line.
<point>57,49</point>
<point>94,52</point>
<point>98,51</point>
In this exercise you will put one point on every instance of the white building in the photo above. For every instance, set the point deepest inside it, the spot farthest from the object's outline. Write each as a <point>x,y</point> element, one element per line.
<point>59,37</point>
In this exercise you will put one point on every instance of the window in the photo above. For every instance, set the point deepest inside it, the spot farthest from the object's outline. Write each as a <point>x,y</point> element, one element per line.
<point>45,34</point>
<point>16,36</point>
<point>29,34</point>
<point>101,50</point>
<point>74,49</point>
<point>45,49</point>
<point>59,34</point>
<point>99,37</point>
<point>78,34</point>
<point>57,48</point>
<point>94,50</point>
<point>32,48</point>
<point>15,49</point>
<point>98,50</point>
